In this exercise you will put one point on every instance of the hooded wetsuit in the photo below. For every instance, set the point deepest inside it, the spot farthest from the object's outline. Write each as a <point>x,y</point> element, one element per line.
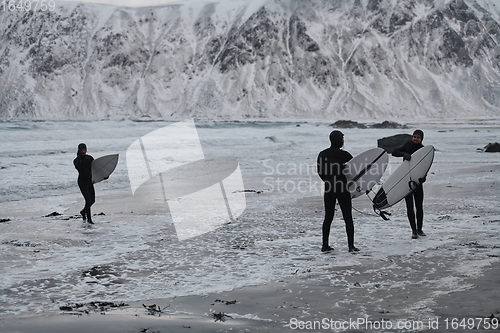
<point>330,164</point>
<point>417,196</point>
<point>83,165</point>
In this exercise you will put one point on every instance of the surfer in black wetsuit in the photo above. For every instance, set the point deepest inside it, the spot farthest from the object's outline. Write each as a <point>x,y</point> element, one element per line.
<point>417,196</point>
<point>330,164</point>
<point>83,164</point>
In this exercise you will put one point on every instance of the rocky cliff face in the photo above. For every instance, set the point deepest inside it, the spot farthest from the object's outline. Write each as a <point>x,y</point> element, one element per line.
<point>252,59</point>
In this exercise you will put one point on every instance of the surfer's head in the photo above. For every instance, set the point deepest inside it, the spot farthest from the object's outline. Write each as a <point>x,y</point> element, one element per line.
<point>337,139</point>
<point>82,148</point>
<point>418,137</point>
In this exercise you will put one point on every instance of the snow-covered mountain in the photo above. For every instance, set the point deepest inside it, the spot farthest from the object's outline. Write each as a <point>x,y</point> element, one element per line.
<point>239,59</point>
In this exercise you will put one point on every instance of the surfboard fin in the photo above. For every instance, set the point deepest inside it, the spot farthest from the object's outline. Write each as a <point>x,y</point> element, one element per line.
<point>384,215</point>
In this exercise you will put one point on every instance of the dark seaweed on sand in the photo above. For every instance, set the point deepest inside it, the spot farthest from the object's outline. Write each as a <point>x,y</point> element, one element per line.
<point>53,214</point>
<point>91,307</point>
<point>225,302</point>
<point>154,310</point>
<point>221,316</point>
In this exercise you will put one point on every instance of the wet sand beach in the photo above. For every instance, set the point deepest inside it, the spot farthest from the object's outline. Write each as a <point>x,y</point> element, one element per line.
<point>359,304</point>
<point>452,274</point>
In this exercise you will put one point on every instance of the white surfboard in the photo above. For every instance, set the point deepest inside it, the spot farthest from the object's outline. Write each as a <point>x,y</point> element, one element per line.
<point>404,179</point>
<point>365,170</point>
<point>103,166</point>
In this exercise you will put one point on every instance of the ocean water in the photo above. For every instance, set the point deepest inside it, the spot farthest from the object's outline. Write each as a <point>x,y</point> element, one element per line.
<point>36,157</point>
<point>133,253</point>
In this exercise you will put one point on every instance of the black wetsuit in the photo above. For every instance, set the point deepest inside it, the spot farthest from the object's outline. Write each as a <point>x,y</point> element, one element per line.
<point>417,196</point>
<point>83,165</point>
<point>331,162</point>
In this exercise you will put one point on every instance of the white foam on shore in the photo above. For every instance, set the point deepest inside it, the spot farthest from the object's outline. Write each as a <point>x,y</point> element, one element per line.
<point>51,261</point>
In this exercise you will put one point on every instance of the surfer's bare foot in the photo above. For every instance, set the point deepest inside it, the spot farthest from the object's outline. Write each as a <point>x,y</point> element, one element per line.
<point>353,248</point>
<point>421,233</point>
<point>414,235</point>
<point>90,222</point>
<point>326,248</point>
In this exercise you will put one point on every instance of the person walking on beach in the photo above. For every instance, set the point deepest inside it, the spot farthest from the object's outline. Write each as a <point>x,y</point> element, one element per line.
<point>330,164</point>
<point>83,163</point>
<point>417,196</point>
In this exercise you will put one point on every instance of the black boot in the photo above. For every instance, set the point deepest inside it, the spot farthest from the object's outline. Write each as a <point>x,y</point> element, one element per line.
<point>353,248</point>
<point>89,216</point>
<point>82,212</point>
<point>326,248</point>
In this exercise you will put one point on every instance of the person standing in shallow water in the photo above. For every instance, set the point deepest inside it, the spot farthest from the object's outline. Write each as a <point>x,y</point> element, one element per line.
<point>416,197</point>
<point>83,164</point>
<point>330,164</point>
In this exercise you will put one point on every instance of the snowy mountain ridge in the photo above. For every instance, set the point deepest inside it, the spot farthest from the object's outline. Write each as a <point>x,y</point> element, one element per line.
<point>241,59</point>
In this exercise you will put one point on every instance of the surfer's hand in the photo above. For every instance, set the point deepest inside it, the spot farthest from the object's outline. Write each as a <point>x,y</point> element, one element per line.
<point>422,180</point>
<point>406,157</point>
